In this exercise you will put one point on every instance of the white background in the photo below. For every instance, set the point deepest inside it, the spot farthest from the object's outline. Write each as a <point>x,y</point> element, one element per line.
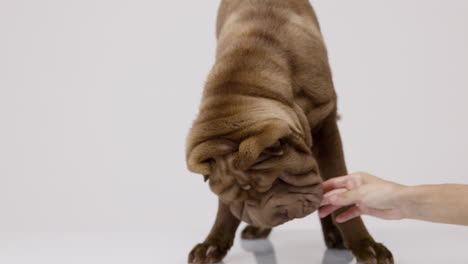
<point>96,98</point>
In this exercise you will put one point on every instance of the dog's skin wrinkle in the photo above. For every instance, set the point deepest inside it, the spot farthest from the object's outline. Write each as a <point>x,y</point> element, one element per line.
<point>271,85</point>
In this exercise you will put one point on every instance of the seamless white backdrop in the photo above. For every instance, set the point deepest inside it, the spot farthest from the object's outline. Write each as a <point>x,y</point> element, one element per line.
<point>97,96</point>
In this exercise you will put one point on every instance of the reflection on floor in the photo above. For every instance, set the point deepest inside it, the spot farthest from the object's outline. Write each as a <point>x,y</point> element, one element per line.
<point>426,244</point>
<point>264,253</point>
<point>429,243</point>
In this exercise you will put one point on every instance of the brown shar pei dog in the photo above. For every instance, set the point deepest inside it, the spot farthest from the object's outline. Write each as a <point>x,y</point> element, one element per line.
<point>266,134</point>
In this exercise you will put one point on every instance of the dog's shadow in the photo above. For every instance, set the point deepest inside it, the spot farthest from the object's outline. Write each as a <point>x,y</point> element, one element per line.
<point>264,253</point>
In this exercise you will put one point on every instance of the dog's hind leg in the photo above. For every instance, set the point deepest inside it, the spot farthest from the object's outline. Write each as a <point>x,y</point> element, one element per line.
<point>219,240</point>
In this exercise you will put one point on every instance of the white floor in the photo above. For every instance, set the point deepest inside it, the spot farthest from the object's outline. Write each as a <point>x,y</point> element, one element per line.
<point>442,244</point>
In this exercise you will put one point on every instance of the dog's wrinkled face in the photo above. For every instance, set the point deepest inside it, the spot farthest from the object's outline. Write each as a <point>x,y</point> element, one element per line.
<point>283,184</point>
<point>282,203</point>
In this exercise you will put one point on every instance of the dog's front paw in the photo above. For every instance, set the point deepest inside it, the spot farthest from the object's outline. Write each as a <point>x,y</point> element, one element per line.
<point>252,232</point>
<point>207,253</point>
<point>370,252</point>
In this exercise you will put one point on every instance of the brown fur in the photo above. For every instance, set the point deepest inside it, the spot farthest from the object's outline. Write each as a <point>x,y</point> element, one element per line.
<point>266,131</point>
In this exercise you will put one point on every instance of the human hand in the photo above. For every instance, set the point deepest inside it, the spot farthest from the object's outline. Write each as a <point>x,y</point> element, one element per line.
<point>369,194</point>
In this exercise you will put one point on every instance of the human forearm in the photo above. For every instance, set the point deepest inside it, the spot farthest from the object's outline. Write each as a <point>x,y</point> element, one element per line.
<point>445,203</point>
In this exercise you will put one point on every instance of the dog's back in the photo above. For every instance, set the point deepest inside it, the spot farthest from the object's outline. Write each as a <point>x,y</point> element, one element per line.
<point>282,49</point>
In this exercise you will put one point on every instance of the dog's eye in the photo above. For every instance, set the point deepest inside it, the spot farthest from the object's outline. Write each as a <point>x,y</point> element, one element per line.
<point>210,160</point>
<point>274,150</point>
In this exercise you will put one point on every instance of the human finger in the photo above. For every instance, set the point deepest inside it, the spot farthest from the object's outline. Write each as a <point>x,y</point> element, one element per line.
<point>345,198</point>
<point>326,197</point>
<point>327,210</point>
<point>349,182</point>
<point>349,214</point>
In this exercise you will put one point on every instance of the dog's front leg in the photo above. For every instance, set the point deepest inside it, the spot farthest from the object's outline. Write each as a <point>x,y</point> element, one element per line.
<point>329,154</point>
<point>219,240</point>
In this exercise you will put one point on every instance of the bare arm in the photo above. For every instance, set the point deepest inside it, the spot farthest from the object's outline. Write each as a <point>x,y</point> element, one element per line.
<point>445,203</point>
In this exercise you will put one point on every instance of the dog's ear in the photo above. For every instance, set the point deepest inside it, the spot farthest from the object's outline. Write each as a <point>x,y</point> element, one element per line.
<point>200,158</point>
